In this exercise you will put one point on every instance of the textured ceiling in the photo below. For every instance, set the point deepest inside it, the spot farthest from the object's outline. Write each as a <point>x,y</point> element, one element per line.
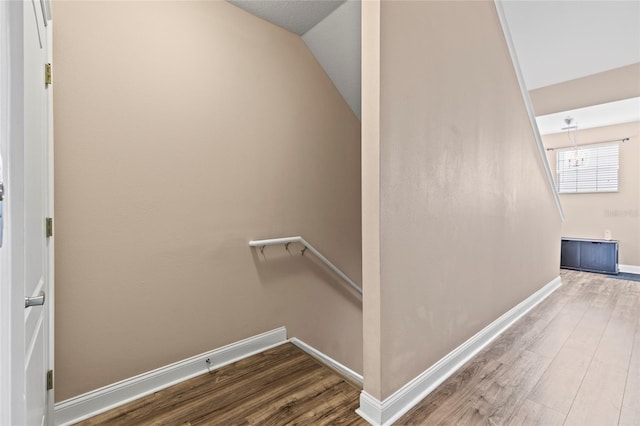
<point>297,16</point>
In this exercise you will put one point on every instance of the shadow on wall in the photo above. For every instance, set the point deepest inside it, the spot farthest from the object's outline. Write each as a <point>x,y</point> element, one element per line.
<point>274,263</point>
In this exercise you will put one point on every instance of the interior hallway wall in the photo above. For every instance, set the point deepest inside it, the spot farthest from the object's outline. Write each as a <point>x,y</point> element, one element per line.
<point>468,225</point>
<point>607,86</point>
<point>589,215</point>
<point>182,131</point>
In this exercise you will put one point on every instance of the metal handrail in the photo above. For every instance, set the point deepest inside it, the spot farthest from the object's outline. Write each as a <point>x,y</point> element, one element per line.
<point>288,240</point>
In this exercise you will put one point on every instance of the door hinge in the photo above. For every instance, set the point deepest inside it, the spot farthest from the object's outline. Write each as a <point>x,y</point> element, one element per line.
<point>47,74</point>
<point>49,379</point>
<point>49,227</point>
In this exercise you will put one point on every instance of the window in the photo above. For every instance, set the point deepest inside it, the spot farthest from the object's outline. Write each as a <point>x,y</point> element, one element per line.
<point>587,169</point>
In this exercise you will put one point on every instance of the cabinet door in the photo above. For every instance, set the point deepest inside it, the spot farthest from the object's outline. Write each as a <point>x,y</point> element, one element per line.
<point>570,254</point>
<point>598,256</point>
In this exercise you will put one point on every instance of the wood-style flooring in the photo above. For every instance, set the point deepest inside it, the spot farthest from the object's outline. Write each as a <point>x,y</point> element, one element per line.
<point>283,385</point>
<point>573,360</point>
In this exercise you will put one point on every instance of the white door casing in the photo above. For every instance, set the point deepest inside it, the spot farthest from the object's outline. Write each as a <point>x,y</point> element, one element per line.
<point>25,257</point>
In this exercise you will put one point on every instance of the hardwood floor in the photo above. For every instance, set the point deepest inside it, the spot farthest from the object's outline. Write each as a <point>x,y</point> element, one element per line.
<point>573,360</point>
<point>283,385</point>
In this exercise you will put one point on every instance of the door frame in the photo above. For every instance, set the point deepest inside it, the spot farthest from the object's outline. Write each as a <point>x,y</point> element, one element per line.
<point>12,262</point>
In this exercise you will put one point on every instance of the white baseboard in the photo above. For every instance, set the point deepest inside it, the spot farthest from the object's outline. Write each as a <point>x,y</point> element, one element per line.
<point>392,408</point>
<point>629,269</point>
<point>327,360</point>
<point>100,400</point>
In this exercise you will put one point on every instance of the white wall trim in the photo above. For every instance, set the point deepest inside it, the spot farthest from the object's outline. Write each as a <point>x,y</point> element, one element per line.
<point>372,410</point>
<point>527,102</point>
<point>100,400</point>
<point>343,369</point>
<point>629,269</point>
<point>392,408</point>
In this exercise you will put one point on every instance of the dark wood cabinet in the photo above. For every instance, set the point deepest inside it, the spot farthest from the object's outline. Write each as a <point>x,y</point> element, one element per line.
<point>589,255</point>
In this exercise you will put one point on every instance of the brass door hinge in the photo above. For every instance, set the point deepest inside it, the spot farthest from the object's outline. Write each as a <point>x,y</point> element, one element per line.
<point>49,227</point>
<point>47,74</point>
<point>49,379</point>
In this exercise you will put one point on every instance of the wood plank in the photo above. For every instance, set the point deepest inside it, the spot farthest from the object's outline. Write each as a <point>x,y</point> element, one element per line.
<point>557,332</point>
<point>630,411</point>
<point>495,400</point>
<point>575,357</point>
<point>214,403</point>
<point>293,384</point>
<point>445,402</point>
<point>532,413</point>
<point>512,386</point>
<point>502,385</point>
<point>167,399</point>
<point>314,405</point>
<point>229,394</point>
<point>599,399</point>
<point>560,383</point>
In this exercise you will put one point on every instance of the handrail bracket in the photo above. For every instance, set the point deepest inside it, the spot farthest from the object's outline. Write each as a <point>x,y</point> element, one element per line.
<point>261,244</point>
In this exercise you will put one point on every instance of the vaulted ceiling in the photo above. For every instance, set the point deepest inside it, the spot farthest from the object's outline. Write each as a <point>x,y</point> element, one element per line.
<point>330,28</point>
<point>556,41</point>
<point>297,16</point>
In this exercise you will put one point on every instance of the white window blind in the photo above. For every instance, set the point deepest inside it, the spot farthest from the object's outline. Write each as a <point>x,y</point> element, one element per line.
<point>587,169</point>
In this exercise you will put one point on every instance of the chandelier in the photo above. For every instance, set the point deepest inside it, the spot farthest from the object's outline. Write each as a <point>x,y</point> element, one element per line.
<point>576,159</point>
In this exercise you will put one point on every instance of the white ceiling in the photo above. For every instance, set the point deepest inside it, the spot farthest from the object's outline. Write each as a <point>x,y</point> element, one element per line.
<point>618,112</point>
<point>297,16</point>
<point>555,41</point>
<point>558,41</point>
<point>335,42</point>
<point>331,30</point>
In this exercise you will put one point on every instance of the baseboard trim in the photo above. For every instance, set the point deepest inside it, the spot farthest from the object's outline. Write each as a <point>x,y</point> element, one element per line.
<point>372,410</point>
<point>330,362</point>
<point>629,269</point>
<point>106,398</point>
<point>392,408</point>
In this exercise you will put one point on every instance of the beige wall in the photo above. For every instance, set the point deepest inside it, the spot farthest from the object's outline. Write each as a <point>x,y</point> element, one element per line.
<point>371,196</point>
<point>468,223</point>
<point>595,89</point>
<point>182,131</point>
<point>589,215</point>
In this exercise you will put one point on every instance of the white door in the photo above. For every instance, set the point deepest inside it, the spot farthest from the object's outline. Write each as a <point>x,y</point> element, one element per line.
<point>25,255</point>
